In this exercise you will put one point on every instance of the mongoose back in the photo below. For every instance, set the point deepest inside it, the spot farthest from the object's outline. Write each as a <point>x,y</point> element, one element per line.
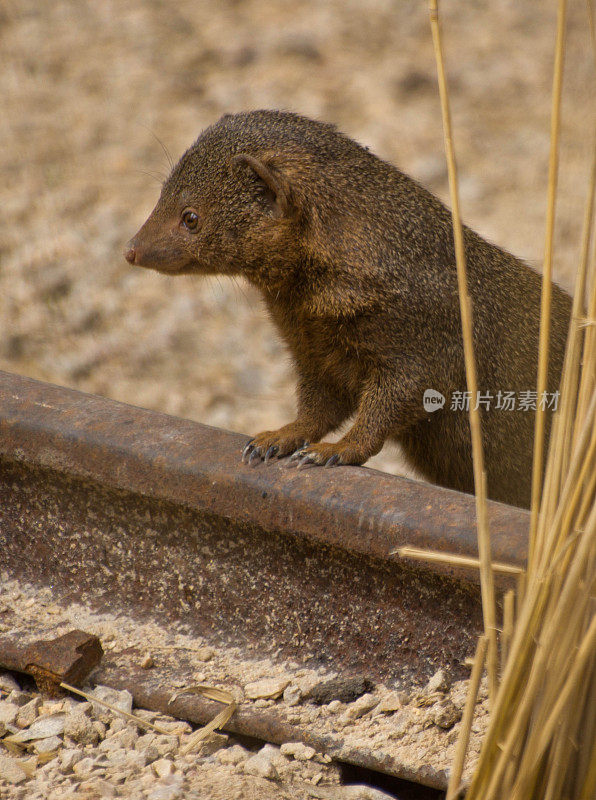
<point>355,262</point>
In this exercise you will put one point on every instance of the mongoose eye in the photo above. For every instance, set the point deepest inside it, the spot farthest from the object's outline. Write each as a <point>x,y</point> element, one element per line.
<point>190,220</point>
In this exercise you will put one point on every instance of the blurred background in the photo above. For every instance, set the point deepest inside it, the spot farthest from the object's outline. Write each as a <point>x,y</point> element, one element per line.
<point>89,88</point>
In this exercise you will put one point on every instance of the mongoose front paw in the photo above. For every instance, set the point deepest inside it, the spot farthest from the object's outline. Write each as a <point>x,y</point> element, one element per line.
<point>270,444</point>
<point>328,454</point>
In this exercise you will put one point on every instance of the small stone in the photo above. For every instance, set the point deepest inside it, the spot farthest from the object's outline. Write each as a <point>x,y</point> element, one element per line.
<point>47,745</point>
<point>344,689</point>
<point>213,744</point>
<point>122,700</point>
<point>163,767</point>
<point>117,725</point>
<point>334,706</point>
<point>272,753</point>
<point>42,728</point>
<point>127,737</point>
<point>84,767</point>
<point>298,750</point>
<point>390,703</point>
<point>49,707</point>
<point>19,698</point>
<point>147,661</point>
<point>151,753</point>
<point>166,745</point>
<point>233,755</point>
<point>136,760</point>
<point>119,776</point>
<point>145,740</point>
<point>28,713</point>
<point>109,744</point>
<point>446,714</point>
<point>116,757</point>
<point>440,682</point>
<point>204,653</point>
<point>68,758</point>
<point>401,723</point>
<point>8,684</point>
<point>266,688</point>
<point>292,695</point>
<point>361,706</point>
<point>176,728</point>
<point>8,712</point>
<point>147,780</point>
<point>261,766</point>
<point>262,703</point>
<point>80,729</point>
<point>100,728</point>
<point>169,791</point>
<point>98,787</point>
<point>10,770</point>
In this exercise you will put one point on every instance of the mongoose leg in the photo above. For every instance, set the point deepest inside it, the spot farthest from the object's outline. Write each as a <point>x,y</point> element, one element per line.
<point>320,411</point>
<point>380,414</point>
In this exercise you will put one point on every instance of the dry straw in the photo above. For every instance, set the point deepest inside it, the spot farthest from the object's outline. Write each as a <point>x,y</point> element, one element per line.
<point>541,739</point>
<point>486,571</point>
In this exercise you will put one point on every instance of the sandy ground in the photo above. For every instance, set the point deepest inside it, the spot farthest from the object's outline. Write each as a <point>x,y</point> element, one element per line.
<point>87,89</point>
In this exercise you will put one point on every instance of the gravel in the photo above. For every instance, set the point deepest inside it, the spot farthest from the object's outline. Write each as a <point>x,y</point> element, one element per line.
<point>81,744</point>
<point>118,761</point>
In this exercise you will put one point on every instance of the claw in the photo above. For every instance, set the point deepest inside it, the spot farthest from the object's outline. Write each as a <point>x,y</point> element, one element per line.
<point>271,452</point>
<point>305,461</point>
<point>254,458</point>
<point>297,454</point>
<point>248,447</point>
<point>331,462</point>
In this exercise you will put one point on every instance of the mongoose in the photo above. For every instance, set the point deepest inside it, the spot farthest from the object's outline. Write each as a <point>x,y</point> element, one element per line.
<point>355,262</point>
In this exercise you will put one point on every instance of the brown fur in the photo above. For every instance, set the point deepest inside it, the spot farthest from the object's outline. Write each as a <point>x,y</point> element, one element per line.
<point>355,262</point>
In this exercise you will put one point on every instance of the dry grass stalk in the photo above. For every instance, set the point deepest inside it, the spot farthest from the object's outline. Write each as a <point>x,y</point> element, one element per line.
<point>453,559</point>
<point>466,722</point>
<point>508,620</point>
<point>221,719</point>
<point>486,573</point>
<point>562,434</point>
<point>541,741</point>
<point>545,305</point>
<point>118,711</point>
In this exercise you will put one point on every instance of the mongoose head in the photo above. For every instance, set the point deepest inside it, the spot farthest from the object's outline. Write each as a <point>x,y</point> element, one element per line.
<point>233,203</point>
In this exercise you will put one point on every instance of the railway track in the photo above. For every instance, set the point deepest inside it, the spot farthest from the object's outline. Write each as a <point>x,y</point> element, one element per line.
<point>124,508</point>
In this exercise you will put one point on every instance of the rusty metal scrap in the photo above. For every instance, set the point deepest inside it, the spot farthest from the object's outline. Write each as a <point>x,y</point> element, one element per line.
<point>68,658</point>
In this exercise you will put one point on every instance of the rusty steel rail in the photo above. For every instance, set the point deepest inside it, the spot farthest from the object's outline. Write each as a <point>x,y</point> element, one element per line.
<point>167,503</point>
<point>128,508</point>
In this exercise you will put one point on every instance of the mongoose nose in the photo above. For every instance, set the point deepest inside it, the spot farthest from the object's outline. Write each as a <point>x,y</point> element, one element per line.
<point>130,254</point>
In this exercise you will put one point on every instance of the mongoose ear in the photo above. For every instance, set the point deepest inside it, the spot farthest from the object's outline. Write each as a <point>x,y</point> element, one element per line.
<point>275,182</point>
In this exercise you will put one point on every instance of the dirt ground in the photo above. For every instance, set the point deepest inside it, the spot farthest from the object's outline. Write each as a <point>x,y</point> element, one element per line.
<point>89,88</point>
